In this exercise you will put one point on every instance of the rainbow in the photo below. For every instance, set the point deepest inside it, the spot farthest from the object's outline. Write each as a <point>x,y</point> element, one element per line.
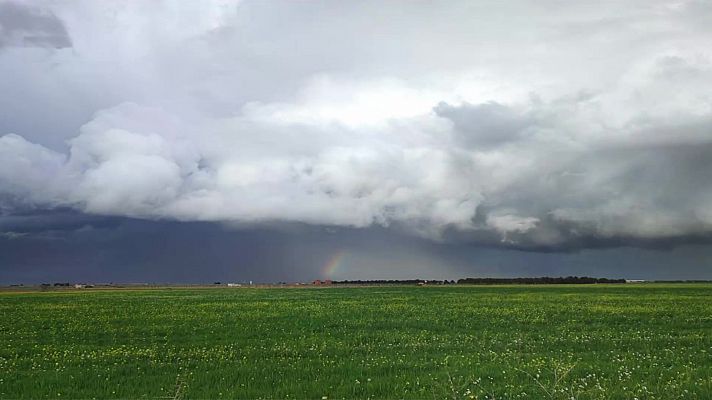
<point>333,264</point>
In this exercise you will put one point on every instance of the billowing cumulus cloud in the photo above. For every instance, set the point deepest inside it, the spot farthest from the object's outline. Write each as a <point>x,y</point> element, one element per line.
<point>495,125</point>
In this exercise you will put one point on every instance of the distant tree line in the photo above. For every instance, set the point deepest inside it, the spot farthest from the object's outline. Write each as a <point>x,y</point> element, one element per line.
<point>395,282</point>
<point>484,281</point>
<point>540,280</point>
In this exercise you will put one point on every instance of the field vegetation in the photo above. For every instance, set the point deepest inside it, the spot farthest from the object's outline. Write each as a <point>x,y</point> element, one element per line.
<point>643,341</point>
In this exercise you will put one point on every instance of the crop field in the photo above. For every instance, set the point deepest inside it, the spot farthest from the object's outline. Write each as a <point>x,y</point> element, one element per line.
<point>645,341</point>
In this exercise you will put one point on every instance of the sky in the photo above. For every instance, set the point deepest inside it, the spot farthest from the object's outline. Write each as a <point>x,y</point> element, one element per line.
<point>171,141</point>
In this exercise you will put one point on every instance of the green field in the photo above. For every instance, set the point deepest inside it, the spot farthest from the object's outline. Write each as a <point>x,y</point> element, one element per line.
<point>506,342</point>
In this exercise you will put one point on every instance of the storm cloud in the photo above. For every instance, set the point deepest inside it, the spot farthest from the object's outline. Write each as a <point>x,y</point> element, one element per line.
<point>450,122</point>
<point>26,26</point>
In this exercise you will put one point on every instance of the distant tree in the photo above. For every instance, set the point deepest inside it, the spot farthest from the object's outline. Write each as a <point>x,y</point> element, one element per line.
<point>540,280</point>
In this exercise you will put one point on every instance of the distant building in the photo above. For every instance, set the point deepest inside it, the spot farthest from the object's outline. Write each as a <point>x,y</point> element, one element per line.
<point>234,284</point>
<point>79,286</point>
<point>320,282</point>
<point>634,280</point>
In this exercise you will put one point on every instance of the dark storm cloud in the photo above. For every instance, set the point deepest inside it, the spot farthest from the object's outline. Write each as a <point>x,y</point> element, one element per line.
<point>571,238</point>
<point>33,222</point>
<point>174,252</point>
<point>165,251</point>
<point>498,127</point>
<point>24,25</point>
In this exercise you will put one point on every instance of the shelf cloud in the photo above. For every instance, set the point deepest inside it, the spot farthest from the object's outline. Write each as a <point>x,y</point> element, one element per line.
<point>450,122</point>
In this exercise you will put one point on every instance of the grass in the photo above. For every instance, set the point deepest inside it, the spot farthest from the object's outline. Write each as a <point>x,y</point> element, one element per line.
<point>505,342</point>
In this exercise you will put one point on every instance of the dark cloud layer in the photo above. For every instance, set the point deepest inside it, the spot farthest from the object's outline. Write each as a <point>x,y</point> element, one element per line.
<point>127,250</point>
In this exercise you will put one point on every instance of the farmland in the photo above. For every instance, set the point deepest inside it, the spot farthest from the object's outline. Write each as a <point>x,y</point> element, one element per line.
<point>647,341</point>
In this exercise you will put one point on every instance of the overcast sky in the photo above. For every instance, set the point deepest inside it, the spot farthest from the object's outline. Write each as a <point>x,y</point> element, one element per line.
<point>180,141</point>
